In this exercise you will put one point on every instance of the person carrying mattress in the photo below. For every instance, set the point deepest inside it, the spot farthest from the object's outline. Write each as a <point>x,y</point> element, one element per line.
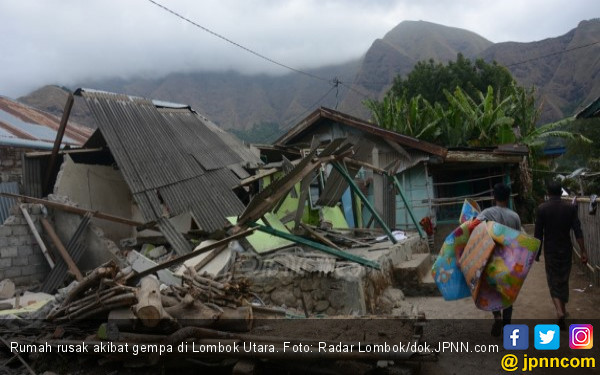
<point>500,213</point>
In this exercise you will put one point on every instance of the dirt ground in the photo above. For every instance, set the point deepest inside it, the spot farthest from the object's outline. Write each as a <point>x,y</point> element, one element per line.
<point>533,306</point>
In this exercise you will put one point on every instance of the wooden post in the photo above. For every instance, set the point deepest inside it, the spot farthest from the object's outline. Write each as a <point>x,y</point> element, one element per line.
<point>41,243</point>
<point>76,210</point>
<point>57,142</point>
<point>61,250</point>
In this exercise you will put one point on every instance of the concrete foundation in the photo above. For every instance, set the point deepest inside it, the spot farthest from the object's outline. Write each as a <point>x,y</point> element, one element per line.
<point>346,288</point>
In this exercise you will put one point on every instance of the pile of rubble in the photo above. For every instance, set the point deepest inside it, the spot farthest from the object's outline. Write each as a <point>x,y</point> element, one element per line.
<point>185,236</point>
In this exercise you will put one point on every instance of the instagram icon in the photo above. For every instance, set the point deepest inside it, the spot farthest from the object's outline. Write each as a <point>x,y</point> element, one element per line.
<point>581,336</point>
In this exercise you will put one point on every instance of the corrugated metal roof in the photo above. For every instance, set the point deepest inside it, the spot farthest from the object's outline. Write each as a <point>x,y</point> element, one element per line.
<point>7,203</point>
<point>168,155</point>
<point>328,115</point>
<point>27,127</point>
<point>592,110</point>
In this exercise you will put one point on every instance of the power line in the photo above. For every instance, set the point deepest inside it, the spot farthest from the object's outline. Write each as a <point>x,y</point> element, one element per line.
<point>237,44</point>
<point>553,54</point>
<point>297,118</point>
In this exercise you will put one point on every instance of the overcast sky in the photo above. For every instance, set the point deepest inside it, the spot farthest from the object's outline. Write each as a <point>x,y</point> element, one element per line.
<point>67,41</point>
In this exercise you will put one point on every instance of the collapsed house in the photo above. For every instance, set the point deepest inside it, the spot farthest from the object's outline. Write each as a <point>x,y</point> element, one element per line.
<point>310,230</point>
<point>406,179</point>
<point>25,129</point>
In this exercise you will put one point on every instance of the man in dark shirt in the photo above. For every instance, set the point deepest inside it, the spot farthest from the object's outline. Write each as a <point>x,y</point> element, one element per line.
<point>555,219</point>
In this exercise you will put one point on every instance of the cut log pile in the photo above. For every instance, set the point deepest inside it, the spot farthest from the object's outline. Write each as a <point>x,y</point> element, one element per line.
<point>202,301</point>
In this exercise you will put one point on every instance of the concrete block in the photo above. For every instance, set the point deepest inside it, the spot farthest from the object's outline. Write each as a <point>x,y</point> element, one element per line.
<point>25,240</point>
<point>29,270</point>
<point>7,289</point>
<point>9,252</point>
<point>24,250</point>
<point>13,241</point>
<point>20,230</point>
<point>36,259</point>
<point>5,230</point>
<point>5,263</point>
<point>20,261</point>
<point>3,242</point>
<point>12,272</point>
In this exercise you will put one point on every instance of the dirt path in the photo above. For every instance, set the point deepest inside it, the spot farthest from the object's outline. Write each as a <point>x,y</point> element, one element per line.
<point>473,325</point>
<point>533,301</point>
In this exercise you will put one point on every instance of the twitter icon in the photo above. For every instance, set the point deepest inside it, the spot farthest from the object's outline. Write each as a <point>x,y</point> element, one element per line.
<point>546,336</point>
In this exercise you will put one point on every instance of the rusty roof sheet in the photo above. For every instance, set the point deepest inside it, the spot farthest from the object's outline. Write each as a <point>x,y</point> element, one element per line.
<point>25,126</point>
<point>168,156</point>
<point>323,114</point>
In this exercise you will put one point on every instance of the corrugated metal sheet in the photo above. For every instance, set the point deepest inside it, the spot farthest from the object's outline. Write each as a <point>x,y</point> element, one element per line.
<point>7,203</point>
<point>27,127</point>
<point>75,248</point>
<point>32,176</point>
<point>249,155</point>
<point>168,156</point>
<point>175,239</point>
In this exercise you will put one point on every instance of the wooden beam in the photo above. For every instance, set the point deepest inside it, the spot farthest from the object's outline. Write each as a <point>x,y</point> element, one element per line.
<point>61,249</point>
<point>317,236</point>
<point>76,210</point>
<point>193,254</point>
<point>40,243</point>
<point>51,167</point>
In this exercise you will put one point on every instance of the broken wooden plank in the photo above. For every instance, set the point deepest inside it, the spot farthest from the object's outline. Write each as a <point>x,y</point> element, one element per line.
<point>314,234</point>
<point>37,237</point>
<point>62,250</point>
<point>365,201</point>
<point>75,210</point>
<point>318,246</point>
<point>193,254</point>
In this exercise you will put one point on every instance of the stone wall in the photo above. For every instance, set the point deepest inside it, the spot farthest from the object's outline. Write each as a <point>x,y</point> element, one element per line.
<point>21,259</point>
<point>321,294</point>
<point>11,163</point>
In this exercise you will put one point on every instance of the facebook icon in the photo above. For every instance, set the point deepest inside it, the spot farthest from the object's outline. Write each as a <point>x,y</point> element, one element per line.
<point>516,337</point>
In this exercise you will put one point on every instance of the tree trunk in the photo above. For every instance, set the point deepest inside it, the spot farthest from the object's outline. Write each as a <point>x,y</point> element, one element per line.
<point>149,308</point>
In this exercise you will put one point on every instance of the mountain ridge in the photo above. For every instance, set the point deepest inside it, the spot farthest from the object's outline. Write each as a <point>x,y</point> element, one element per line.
<point>564,80</point>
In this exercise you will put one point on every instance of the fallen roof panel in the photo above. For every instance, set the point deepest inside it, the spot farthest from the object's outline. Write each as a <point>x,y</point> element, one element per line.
<point>169,156</point>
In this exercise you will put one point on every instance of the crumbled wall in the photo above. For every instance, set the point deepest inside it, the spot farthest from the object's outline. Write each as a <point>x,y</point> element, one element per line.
<point>322,294</point>
<point>11,164</point>
<point>21,259</point>
<point>99,188</point>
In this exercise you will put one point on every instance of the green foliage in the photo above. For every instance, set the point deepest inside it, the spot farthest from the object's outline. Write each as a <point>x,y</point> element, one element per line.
<point>583,154</point>
<point>264,132</point>
<point>415,117</point>
<point>430,79</point>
